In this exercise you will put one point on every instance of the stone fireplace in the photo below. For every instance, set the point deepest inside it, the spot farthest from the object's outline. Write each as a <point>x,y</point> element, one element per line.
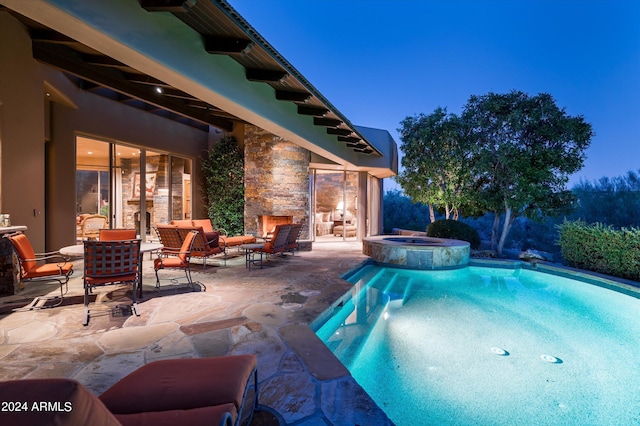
<point>276,182</point>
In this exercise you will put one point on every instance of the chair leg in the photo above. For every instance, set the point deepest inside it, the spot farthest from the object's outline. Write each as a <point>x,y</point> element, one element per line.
<point>134,302</point>
<point>85,322</point>
<point>157,281</point>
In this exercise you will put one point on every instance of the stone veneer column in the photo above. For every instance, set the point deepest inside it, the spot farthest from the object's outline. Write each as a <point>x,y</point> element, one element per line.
<point>276,176</point>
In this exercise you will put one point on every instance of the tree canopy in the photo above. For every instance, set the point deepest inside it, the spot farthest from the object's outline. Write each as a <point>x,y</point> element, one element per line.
<point>527,148</point>
<point>435,162</point>
<point>508,154</point>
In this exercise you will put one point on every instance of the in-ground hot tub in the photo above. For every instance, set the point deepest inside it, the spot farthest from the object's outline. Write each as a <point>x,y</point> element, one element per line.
<point>417,252</point>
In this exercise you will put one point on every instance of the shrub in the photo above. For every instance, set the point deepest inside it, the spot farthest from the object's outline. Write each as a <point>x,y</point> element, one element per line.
<point>601,248</point>
<point>447,228</point>
<point>223,169</point>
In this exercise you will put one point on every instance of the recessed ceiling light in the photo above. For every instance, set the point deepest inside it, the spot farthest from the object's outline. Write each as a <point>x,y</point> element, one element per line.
<point>89,152</point>
<point>158,89</point>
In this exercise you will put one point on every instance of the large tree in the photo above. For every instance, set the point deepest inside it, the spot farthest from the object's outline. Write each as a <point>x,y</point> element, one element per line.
<point>435,162</point>
<point>526,149</point>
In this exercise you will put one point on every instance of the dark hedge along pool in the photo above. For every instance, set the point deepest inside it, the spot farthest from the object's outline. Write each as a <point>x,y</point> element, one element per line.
<point>489,346</point>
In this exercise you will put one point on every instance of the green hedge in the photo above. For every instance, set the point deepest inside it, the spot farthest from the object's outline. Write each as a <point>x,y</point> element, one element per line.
<point>447,228</point>
<point>601,248</point>
<point>223,169</point>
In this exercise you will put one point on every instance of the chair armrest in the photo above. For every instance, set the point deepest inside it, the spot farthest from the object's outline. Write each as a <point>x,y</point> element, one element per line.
<point>62,260</point>
<point>172,251</point>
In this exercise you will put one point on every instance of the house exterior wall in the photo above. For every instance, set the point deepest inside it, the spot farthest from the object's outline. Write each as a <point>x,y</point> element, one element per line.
<point>22,131</point>
<point>34,130</point>
<point>276,179</point>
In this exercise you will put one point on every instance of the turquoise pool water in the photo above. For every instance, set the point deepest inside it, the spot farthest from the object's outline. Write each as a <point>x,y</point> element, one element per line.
<point>485,346</point>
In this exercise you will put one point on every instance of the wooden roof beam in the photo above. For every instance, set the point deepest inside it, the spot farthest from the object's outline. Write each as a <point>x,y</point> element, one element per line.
<point>284,95</point>
<point>225,45</point>
<point>265,76</point>
<point>312,110</point>
<point>327,122</point>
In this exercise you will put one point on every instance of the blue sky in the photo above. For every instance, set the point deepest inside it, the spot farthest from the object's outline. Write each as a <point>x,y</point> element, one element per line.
<point>381,61</point>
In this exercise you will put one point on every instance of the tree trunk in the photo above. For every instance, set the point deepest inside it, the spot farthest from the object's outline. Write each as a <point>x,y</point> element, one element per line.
<point>432,213</point>
<point>494,231</point>
<point>446,211</point>
<point>506,227</point>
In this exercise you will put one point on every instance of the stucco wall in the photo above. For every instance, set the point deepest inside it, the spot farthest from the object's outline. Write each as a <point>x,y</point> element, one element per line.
<point>22,146</point>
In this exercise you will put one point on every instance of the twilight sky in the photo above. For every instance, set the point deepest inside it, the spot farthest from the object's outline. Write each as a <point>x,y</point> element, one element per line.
<point>380,61</point>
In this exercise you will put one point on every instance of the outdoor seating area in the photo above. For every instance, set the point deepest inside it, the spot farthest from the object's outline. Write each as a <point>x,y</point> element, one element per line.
<point>262,313</point>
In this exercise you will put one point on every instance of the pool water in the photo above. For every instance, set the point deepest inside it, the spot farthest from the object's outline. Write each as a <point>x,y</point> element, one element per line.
<point>485,346</point>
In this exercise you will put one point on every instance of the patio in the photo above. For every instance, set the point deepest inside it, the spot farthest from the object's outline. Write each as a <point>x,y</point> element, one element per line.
<point>262,311</point>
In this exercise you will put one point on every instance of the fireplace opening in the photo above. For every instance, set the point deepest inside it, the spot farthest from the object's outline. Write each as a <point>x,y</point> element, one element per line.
<point>267,224</point>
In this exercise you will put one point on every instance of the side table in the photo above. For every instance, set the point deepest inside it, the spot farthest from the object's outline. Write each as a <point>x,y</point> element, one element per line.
<point>251,252</point>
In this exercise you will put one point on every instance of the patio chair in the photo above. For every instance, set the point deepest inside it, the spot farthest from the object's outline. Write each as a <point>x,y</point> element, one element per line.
<point>111,262</point>
<point>278,242</point>
<point>91,225</point>
<point>177,260</point>
<point>169,237</point>
<point>117,234</point>
<point>31,271</point>
<point>292,238</point>
<point>203,246</point>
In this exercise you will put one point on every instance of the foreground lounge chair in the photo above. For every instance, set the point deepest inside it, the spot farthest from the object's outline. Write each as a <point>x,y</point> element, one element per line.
<point>200,391</point>
<point>32,269</point>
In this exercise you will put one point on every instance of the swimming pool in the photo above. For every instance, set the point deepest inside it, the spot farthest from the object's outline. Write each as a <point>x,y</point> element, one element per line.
<point>489,346</point>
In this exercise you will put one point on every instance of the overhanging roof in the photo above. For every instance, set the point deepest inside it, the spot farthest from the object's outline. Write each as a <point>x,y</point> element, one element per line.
<point>212,66</point>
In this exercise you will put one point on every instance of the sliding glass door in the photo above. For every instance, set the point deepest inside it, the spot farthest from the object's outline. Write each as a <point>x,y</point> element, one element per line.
<point>335,201</point>
<point>132,187</point>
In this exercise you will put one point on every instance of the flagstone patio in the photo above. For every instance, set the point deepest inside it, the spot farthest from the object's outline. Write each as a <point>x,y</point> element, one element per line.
<point>262,311</point>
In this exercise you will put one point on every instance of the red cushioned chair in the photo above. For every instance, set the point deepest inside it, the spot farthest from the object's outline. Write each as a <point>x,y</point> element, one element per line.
<point>33,270</point>
<point>111,262</point>
<point>177,259</point>
<point>278,242</point>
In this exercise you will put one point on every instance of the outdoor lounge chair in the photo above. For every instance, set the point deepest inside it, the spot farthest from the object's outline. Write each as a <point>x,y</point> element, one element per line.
<point>177,260</point>
<point>31,271</point>
<point>196,391</point>
<point>224,240</point>
<point>111,262</point>
<point>278,242</point>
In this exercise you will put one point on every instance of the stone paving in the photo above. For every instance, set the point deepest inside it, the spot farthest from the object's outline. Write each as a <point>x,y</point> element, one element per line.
<point>262,311</point>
